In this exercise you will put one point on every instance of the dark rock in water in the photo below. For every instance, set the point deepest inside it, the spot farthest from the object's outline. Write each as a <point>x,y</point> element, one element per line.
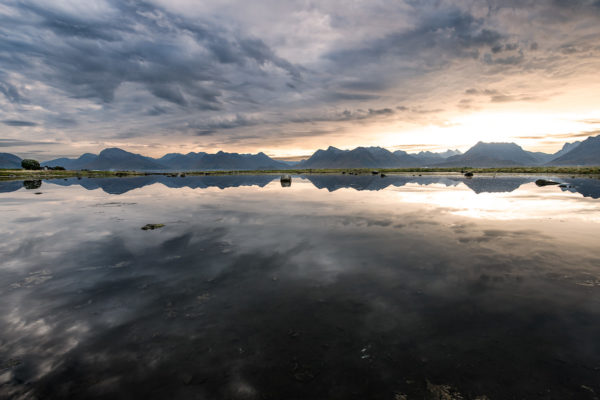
<point>286,181</point>
<point>343,172</point>
<point>544,182</point>
<point>469,174</point>
<point>182,175</point>
<point>374,172</point>
<point>152,226</point>
<point>383,175</point>
<point>32,184</point>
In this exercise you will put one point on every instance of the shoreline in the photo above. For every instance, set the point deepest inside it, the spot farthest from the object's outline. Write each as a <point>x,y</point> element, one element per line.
<point>592,172</point>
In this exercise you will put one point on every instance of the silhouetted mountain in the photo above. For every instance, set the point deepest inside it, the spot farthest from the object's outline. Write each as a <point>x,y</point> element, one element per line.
<point>360,157</point>
<point>181,162</point>
<point>235,161</point>
<point>567,147</point>
<point>108,159</point>
<point>540,157</point>
<point>290,164</point>
<point>117,159</point>
<point>72,163</point>
<point>491,155</point>
<point>586,153</point>
<point>428,157</point>
<point>10,161</point>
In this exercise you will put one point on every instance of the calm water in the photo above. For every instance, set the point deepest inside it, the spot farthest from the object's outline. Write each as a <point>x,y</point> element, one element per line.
<point>338,287</point>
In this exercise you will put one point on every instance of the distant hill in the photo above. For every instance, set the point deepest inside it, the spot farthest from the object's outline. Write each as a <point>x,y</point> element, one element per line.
<point>360,157</point>
<point>567,147</point>
<point>118,159</point>
<point>10,161</point>
<point>181,162</point>
<point>429,158</point>
<point>235,161</point>
<point>108,159</point>
<point>492,155</point>
<point>72,163</point>
<point>586,153</point>
<point>115,158</point>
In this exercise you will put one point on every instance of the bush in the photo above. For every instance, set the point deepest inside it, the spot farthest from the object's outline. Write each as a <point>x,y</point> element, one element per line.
<point>30,164</point>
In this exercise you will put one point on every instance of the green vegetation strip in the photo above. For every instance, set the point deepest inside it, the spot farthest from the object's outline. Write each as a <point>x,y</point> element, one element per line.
<point>20,174</point>
<point>28,174</point>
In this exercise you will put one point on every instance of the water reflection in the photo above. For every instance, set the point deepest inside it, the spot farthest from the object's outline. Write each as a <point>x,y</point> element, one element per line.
<point>298,293</point>
<point>480,184</point>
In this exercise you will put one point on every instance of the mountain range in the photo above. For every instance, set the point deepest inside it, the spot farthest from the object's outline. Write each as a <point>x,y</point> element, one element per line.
<point>117,159</point>
<point>584,153</point>
<point>360,157</point>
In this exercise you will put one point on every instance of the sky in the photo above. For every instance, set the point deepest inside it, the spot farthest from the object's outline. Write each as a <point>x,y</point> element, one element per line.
<point>289,77</point>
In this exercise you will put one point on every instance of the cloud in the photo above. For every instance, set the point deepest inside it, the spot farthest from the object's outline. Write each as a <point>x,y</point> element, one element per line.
<point>479,92</point>
<point>582,134</point>
<point>346,115</point>
<point>16,122</point>
<point>450,33</point>
<point>502,98</point>
<point>10,91</point>
<point>245,74</point>
<point>173,58</point>
<point>16,143</point>
<point>498,97</point>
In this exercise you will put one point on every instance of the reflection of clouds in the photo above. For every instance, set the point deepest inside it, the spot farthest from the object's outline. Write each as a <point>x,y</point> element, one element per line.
<point>32,279</point>
<point>134,310</point>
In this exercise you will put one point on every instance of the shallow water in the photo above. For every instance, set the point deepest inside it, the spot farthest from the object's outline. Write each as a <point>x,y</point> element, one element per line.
<point>337,287</point>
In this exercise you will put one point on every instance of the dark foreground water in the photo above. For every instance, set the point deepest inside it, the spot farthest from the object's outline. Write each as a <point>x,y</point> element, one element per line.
<point>338,287</point>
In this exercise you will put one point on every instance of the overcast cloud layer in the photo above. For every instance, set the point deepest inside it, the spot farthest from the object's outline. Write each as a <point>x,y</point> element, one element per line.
<point>289,77</point>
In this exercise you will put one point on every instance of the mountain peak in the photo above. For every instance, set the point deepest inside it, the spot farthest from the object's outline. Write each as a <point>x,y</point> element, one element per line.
<point>113,151</point>
<point>586,152</point>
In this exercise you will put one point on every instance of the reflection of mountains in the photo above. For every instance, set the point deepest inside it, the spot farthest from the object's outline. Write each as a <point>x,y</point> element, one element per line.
<point>123,185</point>
<point>375,182</point>
<point>585,186</point>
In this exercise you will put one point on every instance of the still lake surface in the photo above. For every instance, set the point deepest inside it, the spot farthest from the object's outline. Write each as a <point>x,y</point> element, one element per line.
<point>338,287</point>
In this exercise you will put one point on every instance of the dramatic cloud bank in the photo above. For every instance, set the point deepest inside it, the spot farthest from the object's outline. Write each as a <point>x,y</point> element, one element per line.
<point>288,77</point>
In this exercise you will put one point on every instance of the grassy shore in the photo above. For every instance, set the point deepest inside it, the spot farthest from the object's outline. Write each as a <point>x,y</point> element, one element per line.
<point>19,174</point>
<point>452,170</point>
<point>22,174</point>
